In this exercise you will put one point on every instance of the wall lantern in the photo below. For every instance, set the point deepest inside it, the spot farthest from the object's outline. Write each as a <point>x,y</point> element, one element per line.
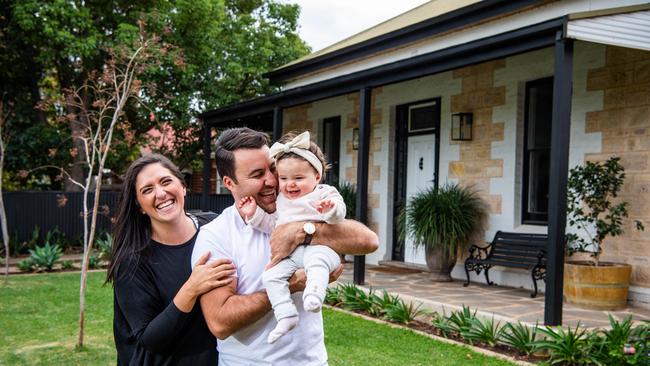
<point>461,127</point>
<point>355,139</point>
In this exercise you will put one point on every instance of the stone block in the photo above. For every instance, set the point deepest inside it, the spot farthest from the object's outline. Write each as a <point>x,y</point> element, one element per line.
<point>497,132</point>
<point>636,117</point>
<point>457,169</point>
<point>469,83</point>
<point>635,162</point>
<point>494,172</point>
<point>494,204</point>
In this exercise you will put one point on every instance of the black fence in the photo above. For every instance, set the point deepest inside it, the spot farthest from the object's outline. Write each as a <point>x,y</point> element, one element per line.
<point>49,209</point>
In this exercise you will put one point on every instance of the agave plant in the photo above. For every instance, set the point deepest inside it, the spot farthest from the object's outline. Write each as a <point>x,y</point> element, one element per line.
<point>567,346</point>
<point>461,320</point>
<point>442,323</point>
<point>483,331</point>
<point>355,299</point>
<point>402,312</point>
<point>520,337</point>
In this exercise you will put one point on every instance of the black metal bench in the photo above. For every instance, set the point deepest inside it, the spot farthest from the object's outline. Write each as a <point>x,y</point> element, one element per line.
<point>517,250</point>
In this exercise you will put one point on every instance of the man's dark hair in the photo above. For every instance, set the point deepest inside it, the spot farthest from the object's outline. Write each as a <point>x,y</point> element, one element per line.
<point>234,139</point>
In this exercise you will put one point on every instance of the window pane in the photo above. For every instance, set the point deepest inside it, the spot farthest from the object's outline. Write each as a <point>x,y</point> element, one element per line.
<point>422,118</point>
<point>540,109</point>
<point>538,169</point>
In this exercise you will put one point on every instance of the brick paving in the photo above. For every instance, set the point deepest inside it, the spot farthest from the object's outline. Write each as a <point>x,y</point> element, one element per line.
<point>502,303</point>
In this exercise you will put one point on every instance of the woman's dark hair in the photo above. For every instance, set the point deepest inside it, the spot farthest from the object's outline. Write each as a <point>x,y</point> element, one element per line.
<point>132,229</point>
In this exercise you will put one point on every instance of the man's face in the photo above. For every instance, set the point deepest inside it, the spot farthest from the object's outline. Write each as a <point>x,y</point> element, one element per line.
<point>255,173</point>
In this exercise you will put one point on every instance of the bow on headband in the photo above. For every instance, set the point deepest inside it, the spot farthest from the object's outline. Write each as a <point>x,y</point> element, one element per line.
<point>299,146</point>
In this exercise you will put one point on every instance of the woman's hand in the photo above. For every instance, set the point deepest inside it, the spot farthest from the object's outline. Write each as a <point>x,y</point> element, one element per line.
<point>204,278</point>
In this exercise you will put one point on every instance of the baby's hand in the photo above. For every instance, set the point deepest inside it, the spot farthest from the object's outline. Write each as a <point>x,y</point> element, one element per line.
<point>247,206</point>
<point>323,206</point>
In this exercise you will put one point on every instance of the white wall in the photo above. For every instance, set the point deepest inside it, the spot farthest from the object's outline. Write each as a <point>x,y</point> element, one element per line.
<point>439,85</point>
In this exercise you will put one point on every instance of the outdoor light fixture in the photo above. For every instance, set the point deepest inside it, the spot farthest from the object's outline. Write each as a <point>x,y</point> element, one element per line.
<point>355,139</point>
<point>461,127</point>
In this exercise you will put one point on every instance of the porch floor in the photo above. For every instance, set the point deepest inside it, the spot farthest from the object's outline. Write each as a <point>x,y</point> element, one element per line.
<point>504,303</point>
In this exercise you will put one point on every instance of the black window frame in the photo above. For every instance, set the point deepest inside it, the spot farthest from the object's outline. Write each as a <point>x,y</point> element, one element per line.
<point>534,218</point>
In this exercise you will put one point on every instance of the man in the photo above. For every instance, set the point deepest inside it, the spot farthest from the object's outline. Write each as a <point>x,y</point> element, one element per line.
<point>239,313</point>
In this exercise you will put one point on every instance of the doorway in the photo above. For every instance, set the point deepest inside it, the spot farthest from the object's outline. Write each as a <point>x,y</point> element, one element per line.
<point>417,162</point>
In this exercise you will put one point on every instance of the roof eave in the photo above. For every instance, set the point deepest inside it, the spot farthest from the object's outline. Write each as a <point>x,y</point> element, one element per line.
<point>446,22</point>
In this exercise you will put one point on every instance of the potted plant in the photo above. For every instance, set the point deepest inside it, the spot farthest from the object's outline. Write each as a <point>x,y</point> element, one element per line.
<point>596,215</point>
<point>442,221</point>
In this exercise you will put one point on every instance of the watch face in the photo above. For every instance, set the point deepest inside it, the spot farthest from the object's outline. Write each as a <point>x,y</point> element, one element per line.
<point>309,228</point>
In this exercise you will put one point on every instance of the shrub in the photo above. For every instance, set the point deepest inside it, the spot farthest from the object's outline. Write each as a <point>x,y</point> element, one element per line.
<point>382,302</point>
<point>482,331</point>
<point>441,322</point>
<point>18,247</point>
<point>67,264</point>
<point>402,312</point>
<point>349,194</point>
<point>93,260</point>
<point>520,337</point>
<point>333,296</point>
<point>355,299</point>
<point>461,320</point>
<point>45,256</point>
<point>26,265</point>
<point>56,237</point>
<point>104,244</point>
<point>569,346</point>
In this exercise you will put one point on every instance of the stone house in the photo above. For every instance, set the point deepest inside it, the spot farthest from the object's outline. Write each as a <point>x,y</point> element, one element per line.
<point>381,102</point>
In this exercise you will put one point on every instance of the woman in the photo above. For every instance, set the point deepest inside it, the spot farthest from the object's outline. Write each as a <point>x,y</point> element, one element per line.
<point>157,318</point>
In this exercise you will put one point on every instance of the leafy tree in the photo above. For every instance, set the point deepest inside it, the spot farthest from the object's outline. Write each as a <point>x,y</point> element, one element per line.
<point>217,53</point>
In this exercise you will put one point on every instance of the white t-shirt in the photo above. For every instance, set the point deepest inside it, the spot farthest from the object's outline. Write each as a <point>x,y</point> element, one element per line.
<point>228,236</point>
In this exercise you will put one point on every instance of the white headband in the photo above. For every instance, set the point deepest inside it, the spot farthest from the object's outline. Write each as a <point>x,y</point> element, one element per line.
<point>299,146</point>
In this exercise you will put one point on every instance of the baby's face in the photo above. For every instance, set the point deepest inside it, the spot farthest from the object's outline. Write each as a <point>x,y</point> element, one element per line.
<point>296,177</point>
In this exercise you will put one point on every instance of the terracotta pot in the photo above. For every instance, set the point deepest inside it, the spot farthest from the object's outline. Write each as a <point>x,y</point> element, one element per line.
<point>603,288</point>
<point>439,266</point>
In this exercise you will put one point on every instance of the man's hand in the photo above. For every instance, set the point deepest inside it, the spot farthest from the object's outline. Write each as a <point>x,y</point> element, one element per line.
<point>284,240</point>
<point>298,280</point>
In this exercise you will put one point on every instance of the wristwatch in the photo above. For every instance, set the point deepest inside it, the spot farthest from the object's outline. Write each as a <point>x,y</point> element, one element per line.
<point>309,229</point>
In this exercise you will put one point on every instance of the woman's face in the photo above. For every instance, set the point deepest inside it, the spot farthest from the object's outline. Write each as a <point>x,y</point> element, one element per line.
<point>160,194</point>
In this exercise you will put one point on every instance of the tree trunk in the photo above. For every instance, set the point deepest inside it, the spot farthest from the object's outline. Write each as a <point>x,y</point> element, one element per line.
<point>87,251</point>
<point>3,214</point>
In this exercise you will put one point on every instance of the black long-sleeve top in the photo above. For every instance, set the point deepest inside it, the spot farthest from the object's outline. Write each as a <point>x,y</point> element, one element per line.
<point>148,328</point>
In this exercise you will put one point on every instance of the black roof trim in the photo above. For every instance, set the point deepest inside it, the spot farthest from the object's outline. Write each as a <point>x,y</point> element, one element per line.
<point>518,41</point>
<point>427,28</point>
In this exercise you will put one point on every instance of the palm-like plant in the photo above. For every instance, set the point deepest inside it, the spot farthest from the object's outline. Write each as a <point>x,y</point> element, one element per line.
<point>445,217</point>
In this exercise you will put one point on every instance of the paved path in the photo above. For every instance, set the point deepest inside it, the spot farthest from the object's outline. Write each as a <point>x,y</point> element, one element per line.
<point>504,303</point>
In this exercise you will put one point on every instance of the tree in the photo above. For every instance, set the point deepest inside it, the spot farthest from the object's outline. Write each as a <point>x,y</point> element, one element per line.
<point>5,115</point>
<point>100,102</point>
<point>226,46</point>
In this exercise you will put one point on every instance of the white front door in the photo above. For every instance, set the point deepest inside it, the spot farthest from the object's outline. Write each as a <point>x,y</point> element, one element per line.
<point>420,175</point>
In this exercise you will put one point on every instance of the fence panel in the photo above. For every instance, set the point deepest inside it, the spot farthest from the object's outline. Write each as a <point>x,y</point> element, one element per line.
<point>50,209</point>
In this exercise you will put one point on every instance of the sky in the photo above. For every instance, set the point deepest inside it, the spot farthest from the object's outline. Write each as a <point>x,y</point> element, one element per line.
<point>324,22</point>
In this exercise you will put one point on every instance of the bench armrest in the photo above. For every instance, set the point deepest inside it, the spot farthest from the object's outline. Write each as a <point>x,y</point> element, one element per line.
<point>476,252</point>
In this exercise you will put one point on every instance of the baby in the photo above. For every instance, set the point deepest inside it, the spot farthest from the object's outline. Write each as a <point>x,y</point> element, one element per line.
<point>300,165</point>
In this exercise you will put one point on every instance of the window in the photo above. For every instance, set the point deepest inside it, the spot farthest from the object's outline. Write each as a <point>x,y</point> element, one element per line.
<point>422,117</point>
<point>331,148</point>
<point>537,151</point>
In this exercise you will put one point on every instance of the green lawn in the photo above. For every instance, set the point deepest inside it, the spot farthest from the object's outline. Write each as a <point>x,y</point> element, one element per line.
<point>39,315</point>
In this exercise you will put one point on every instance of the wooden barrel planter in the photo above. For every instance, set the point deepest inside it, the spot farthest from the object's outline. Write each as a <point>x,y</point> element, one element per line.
<point>602,288</point>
